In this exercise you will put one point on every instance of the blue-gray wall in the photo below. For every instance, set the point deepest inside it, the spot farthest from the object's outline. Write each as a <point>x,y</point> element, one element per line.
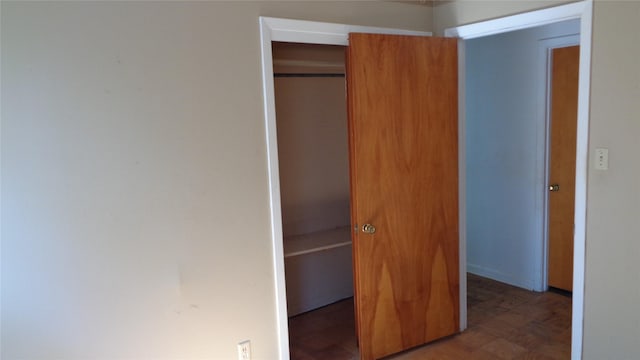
<point>505,147</point>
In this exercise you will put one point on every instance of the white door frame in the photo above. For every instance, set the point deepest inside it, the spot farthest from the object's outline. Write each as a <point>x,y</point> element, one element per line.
<point>309,32</point>
<point>584,11</point>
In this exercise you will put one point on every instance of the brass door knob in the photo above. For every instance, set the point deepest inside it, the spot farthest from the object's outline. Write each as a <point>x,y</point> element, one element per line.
<point>554,187</point>
<point>368,229</point>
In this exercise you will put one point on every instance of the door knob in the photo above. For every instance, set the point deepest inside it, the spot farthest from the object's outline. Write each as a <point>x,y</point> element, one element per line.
<point>368,229</point>
<point>554,187</point>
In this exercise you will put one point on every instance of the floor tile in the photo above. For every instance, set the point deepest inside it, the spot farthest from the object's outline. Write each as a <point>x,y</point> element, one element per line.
<point>504,322</point>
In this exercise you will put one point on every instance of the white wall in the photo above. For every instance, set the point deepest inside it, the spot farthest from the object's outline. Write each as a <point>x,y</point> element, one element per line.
<point>135,203</point>
<point>612,294</point>
<point>505,146</point>
<point>313,153</point>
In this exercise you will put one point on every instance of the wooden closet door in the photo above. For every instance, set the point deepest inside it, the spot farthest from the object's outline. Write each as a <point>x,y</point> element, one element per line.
<point>403,136</point>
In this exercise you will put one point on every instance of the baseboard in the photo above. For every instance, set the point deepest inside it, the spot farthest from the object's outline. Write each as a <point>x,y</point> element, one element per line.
<point>499,276</point>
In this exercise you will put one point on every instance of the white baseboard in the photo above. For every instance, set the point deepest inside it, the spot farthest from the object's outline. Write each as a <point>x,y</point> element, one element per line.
<point>499,276</point>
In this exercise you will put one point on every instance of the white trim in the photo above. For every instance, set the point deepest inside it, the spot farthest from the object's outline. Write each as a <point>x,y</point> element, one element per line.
<point>584,11</point>
<point>518,22</point>
<point>544,92</point>
<point>582,152</point>
<point>282,326</point>
<point>310,32</point>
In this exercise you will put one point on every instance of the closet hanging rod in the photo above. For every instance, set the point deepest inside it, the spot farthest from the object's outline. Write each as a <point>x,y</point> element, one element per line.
<point>307,75</point>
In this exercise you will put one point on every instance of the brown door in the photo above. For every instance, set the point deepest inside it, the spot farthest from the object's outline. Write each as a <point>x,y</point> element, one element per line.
<point>403,135</point>
<point>562,164</point>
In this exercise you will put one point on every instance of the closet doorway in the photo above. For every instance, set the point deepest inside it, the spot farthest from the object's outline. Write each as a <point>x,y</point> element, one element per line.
<point>313,154</point>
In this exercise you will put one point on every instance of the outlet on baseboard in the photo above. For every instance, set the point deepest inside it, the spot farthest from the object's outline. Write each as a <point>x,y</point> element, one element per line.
<point>244,350</point>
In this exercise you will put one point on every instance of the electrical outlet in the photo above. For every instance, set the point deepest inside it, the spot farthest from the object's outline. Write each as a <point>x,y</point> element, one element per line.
<point>602,159</point>
<point>244,350</point>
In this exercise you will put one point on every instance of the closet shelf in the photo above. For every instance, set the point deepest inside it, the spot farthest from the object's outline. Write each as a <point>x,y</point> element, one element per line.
<point>317,241</point>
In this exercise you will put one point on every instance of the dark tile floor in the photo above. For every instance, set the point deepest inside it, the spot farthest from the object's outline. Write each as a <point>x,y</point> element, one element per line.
<point>505,322</point>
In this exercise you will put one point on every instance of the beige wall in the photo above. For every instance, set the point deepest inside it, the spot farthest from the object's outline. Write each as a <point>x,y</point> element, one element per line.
<point>135,219</point>
<point>134,190</point>
<point>612,294</point>
<point>612,319</point>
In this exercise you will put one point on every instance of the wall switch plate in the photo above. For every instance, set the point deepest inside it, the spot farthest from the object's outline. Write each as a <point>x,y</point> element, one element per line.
<point>602,159</point>
<point>244,350</point>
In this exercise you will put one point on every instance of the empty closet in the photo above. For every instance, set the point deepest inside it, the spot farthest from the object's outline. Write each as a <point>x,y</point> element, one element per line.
<point>314,174</point>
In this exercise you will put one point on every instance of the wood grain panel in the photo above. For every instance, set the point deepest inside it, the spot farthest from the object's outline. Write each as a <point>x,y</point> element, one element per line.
<point>402,101</point>
<point>562,164</point>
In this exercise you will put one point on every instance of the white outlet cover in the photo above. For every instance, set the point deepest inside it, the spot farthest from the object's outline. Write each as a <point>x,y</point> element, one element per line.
<point>244,350</point>
<point>601,159</point>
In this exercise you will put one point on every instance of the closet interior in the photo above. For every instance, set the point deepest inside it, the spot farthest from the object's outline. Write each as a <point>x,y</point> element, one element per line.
<point>311,115</point>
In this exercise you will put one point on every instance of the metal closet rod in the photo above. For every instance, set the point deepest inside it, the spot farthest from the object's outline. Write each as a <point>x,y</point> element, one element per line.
<point>308,75</point>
